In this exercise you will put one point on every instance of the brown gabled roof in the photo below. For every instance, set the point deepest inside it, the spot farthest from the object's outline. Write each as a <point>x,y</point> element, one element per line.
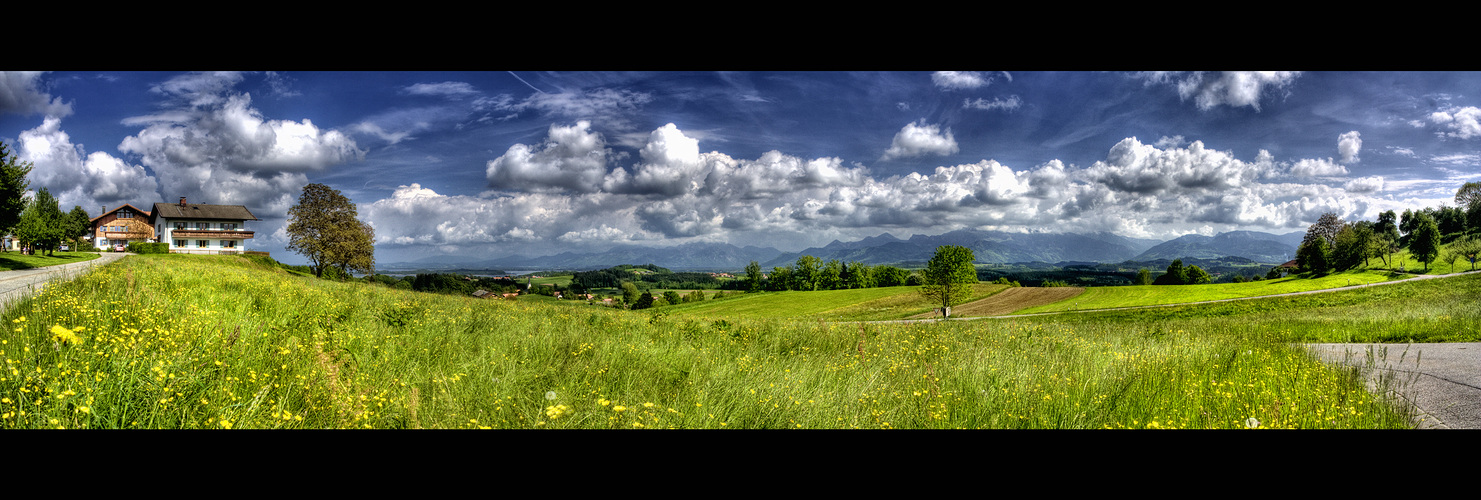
<point>200,211</point>
<point>136,209</point>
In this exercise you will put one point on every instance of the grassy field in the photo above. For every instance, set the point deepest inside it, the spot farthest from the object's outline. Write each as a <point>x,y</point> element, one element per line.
<point>1149,295</point>
<point>10,261</point>
<point>862,304</point>
<point>176,341</point>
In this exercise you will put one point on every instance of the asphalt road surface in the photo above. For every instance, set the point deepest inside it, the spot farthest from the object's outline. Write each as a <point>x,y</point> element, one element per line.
<point>1441,380</point>
<point>19,284</point>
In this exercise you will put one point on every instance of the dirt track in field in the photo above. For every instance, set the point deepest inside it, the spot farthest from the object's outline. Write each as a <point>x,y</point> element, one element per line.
<point>1009,300</point>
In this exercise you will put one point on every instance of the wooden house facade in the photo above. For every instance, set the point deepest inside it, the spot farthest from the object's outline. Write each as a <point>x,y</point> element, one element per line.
<point>121,226</point>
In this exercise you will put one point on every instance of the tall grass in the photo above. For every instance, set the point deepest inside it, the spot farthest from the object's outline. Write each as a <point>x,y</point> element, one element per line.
<point>176,341</point>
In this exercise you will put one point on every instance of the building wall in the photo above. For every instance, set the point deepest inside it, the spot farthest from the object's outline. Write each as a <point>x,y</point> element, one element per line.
<point>192,243</point>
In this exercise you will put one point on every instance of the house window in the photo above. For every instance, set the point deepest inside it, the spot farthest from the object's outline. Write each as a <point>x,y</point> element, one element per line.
<point>179,243</point>
<point>201,243</point>
<point>228,243</point>
<point>125,214</point>
<point>179,225</point>
<point>102,242</point>
<point>202,225</point>
<point>228,227</point>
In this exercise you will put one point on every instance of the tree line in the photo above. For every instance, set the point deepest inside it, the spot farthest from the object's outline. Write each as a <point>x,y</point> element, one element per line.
<point>1332,244</point>
<point>811,273</point>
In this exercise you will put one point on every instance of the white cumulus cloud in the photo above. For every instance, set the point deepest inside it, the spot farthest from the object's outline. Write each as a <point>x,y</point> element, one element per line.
<point>1231,88</point>
<point>917,139</point>
<point>76,178</point>
<point>213,147</point>
<point>21,93</point>
<point>571,158</point>
<point>1348,146</point>
<point>1309,167</point>
<point>958,80</point>
<point>1460,123</point>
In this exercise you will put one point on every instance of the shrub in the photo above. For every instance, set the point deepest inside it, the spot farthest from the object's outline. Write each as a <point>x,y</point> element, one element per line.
<point>149,248</point>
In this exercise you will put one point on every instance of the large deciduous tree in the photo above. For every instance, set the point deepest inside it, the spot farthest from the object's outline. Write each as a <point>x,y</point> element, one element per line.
<point>949,276</point>
<point>1468,193</point>
<point>324,227</point>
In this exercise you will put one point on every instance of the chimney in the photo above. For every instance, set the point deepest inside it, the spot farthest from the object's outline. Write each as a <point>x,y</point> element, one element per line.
<point>103,210</point>
<point>182,201</point>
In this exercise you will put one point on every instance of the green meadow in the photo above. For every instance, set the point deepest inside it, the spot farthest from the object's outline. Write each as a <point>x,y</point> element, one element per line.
<point>179,341</point>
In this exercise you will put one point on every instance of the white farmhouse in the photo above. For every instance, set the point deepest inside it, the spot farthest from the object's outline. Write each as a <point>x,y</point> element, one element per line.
<point>204,229</point>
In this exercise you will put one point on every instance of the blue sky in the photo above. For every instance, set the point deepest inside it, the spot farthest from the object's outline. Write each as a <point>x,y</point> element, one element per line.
<point>493,163</point>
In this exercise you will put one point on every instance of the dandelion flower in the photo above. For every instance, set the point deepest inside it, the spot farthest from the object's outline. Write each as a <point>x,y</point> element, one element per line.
<point>550,395</point>
<point>64,335</point>
<point>1251,423</point>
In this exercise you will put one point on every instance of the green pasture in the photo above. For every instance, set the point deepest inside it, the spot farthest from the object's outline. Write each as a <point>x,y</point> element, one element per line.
<point>221,342</point>
<point>562,280</point>
<point>14,260</point>
<point>1150,295</point>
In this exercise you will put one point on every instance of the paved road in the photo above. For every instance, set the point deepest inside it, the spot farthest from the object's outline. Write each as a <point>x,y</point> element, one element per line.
<point>1443,381</point>
<point>16,285</point>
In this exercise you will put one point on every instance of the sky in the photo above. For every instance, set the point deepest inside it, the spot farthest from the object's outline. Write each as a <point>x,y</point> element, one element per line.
<point>477,165</point>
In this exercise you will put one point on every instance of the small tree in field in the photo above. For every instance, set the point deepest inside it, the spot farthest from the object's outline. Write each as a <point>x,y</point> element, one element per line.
<point>949,276</point>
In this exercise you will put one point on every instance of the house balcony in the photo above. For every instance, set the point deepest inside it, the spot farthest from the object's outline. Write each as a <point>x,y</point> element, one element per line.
<point>126,235</point>
<point>215,234</point>
<point>209,251</point>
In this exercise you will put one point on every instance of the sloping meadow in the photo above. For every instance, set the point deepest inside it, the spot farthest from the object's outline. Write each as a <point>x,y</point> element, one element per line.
<point>174,341</point>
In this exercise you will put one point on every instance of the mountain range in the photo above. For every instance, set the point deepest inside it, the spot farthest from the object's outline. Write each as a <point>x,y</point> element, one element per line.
<point>996,247</point>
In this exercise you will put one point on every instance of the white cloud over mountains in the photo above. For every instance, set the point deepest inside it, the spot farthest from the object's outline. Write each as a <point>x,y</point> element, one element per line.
<point>569,189</point>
